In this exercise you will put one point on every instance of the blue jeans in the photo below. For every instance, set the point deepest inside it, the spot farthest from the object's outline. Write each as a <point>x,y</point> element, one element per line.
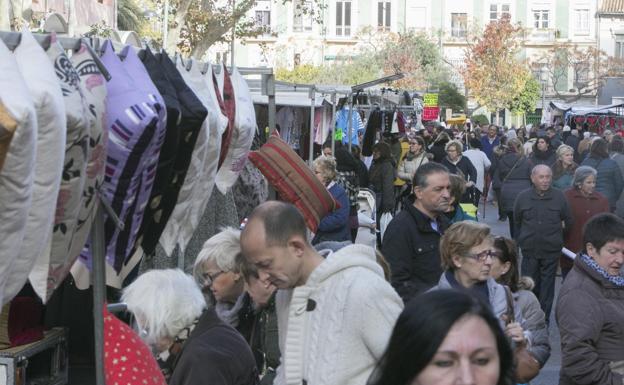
<point>542,268</point>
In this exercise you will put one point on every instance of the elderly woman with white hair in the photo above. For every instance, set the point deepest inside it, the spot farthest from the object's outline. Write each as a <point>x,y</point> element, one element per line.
<point>461,165</point>
<point>584,202</point>
<point>192,344</point>
<point>218,275</point>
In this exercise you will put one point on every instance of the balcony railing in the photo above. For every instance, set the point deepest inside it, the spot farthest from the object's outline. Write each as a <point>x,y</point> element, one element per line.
<point>541,34</point>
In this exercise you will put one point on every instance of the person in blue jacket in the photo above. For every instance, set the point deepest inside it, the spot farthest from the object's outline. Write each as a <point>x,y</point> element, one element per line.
<point>335,225</point>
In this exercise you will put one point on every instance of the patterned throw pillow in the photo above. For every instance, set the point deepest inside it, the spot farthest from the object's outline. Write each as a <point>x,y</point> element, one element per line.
<point>294,180</point>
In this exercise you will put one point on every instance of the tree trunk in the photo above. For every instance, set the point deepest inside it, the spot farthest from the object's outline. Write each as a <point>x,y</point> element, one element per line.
<point>173,33</point>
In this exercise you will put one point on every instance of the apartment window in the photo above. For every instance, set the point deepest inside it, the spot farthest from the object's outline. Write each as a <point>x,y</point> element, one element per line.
<point>302,18</point>
<point>263,19</point>
<point>498,10</point>
<point>541,17</point>
<point>619,46</point>
<point>581,21</point>
<point>459,24</point>
<point>343,18</point>
<point>383,15</point>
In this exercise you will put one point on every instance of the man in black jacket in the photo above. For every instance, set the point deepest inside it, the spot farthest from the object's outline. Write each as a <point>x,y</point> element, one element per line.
<point>541,215</point>
<point>411,241</point>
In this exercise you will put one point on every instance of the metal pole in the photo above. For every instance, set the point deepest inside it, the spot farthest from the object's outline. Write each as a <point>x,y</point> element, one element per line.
<point>333,123</point>
<point>233,37</point>
<point>98,279</point>
<point>165,24</point>
<point>270,87</point>
<point>311,146</point>
<point>350,122</point>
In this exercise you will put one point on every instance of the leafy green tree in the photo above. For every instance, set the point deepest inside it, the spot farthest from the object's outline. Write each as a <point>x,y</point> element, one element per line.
<point>129,16</point>
<point>526,100</point>
<point>450,97</point>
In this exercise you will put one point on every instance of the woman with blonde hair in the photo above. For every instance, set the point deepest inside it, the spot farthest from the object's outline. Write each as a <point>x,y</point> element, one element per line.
<point>335,225</point>
<point>564,167</point>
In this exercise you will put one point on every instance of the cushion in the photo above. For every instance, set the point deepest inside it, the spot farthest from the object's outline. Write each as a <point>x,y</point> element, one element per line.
<point>16,178</point>
<point>44,89</point>
<point>132,126</point>
<point>293,180</point>
<point>127,359</point>
<point>7,129</point>
<point>77,155</point>
<point>201,175</point>
<point>21,322</point>
<point>242,134</point>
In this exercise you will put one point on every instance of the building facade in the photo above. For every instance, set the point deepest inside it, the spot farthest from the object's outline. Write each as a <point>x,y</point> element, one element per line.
<point>347,26</point>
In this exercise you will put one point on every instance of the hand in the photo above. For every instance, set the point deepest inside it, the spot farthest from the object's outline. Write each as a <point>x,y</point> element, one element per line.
<point>515,332</point>
<point>469,184</point>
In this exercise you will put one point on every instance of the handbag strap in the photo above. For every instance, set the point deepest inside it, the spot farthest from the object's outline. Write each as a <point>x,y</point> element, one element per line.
<point>512,168</point>
<point>510,306</point>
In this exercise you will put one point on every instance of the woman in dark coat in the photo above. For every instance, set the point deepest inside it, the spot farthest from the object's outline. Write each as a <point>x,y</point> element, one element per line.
<point>381,178</point>
<point>438,148</point>
<point>460,165</point>
<point>584,203</point>
<point>609,181</point>
<point>590,307</point>
<point>543,153</point>
<point>335,225</point>
<point>514,172</point>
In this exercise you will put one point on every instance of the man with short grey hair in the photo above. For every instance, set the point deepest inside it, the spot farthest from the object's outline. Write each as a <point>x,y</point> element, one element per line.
<point>541,215</point>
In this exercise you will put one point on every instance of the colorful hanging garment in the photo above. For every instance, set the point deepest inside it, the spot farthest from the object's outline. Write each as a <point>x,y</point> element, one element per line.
<point>225,91</point>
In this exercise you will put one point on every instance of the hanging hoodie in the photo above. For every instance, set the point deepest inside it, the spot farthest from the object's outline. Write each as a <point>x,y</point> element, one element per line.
<point>133,125</point>
<point>44,89</point>
<point>201,174</point>
<point>16,178</point>
<point>340,320</point>
<point>156,215</point>
<point>193,116</point>
<point>244,129</point>
<point>77,154</point>
<point>93,85</point>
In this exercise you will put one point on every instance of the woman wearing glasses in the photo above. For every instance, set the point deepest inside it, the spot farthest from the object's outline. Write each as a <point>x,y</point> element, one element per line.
<point>219,278</point>
<point>467,253</point>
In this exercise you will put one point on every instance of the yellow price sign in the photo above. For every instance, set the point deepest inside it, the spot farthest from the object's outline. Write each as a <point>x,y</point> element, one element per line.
<point>431,100</point>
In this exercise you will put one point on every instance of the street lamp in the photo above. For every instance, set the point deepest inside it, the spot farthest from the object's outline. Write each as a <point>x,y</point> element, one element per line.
<point>543,82</point>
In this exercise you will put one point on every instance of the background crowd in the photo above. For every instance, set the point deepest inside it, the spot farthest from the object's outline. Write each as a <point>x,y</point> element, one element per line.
<point>440,300</point>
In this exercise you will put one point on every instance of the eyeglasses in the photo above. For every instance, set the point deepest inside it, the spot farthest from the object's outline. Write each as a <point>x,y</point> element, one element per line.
<point>210,278</point>
<point>482,256</point>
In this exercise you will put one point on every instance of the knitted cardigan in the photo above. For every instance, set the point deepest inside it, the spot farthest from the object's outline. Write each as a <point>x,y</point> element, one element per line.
<point>334,329</point>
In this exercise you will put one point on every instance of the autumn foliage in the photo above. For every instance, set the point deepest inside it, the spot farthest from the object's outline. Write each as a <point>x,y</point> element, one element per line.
<point>493,74</point>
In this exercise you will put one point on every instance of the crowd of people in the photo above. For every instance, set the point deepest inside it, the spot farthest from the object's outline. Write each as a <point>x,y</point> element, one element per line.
<point>441,300</point>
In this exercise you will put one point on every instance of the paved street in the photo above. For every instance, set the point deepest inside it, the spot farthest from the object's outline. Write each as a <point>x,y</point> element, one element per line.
<point>550,373</point>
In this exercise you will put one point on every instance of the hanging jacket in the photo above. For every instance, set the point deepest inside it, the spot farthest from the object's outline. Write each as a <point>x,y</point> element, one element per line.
<point>372,126</point>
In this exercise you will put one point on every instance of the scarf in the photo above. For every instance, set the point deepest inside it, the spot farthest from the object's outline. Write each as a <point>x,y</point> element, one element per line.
<point>229,313</point>
<point>617,280</point>
<point>479,289</point>
<point>167,359</point>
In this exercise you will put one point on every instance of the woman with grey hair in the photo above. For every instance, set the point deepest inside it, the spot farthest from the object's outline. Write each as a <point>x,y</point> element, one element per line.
<point>187,336</point>
<point>584,202</point>
<point>335,225</point>
<point>219,278</point>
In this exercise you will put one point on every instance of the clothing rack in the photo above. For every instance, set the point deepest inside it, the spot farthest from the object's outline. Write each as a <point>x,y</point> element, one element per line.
<point>361,87</point>
<point>97,234</point>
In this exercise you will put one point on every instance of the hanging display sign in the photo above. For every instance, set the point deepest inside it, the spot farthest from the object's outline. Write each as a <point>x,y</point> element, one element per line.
<point>431,113</point>
<point>431,100</point>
